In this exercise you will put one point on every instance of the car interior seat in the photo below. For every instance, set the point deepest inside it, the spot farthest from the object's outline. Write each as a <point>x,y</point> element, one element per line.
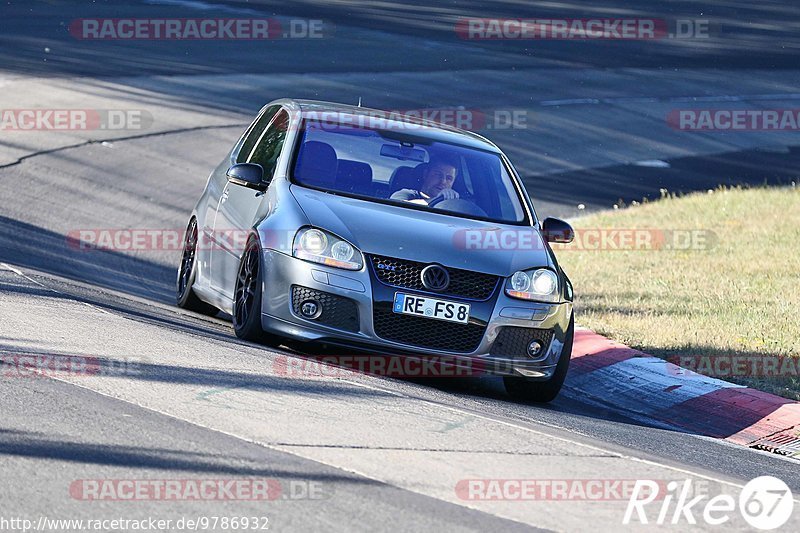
<point>354,177</point>
<point>317,164</point>
<point>407,177</point>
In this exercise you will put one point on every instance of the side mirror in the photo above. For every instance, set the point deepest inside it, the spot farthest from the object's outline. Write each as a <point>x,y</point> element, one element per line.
<point>556,230</point>
<point>248,175</point>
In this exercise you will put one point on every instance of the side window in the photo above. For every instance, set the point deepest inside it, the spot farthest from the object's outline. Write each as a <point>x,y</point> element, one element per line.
<point>269,145</point>
<point>254,131</point>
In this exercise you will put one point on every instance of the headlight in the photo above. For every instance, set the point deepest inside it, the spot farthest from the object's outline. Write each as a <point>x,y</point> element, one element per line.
<point>520,282</point>
<point>540,285</point>
<point>312,244</point>
<point>313,241</point>
<point>342,251</point>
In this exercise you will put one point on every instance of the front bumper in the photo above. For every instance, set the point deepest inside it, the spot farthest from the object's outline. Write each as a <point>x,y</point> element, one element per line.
<point>279,316</point>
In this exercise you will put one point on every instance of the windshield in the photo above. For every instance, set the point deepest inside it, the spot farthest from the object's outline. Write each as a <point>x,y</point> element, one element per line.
<point>408,169</point>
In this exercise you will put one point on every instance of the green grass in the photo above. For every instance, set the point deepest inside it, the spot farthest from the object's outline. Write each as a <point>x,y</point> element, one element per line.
<point>740,296</point>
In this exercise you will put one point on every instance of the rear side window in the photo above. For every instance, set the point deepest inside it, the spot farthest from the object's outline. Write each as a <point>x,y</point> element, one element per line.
<point>254,132</point>
<point>269,145</point>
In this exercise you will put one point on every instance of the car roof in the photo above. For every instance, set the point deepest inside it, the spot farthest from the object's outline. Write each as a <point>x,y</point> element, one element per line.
<point>433,130</point>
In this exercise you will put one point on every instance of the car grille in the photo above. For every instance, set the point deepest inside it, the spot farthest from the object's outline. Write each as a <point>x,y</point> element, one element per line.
<point>407,274</point>
<point>426,332</point>
<point>513,341</point>
<point>337,312</point>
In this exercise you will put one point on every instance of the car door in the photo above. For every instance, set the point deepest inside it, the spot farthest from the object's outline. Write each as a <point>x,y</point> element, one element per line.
<point>238,205</point>
<point>217,186</point>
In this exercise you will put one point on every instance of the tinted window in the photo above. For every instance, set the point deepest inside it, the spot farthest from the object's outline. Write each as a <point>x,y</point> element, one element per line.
<point>254,132</point>
<point>406,169</point>
<point>269,145</point>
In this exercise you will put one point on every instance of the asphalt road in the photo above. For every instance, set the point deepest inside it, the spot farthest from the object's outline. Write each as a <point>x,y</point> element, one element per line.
<point>179,397</point>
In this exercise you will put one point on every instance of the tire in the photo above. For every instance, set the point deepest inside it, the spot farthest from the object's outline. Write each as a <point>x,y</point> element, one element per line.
<point>247,297</point>
<point>187,270</point>
<point>530,391</point>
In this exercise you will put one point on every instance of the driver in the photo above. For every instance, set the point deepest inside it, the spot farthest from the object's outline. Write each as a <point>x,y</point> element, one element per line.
<point>437,184</point>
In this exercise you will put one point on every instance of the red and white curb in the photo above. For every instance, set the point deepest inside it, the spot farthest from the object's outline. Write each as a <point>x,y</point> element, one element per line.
<point>621,378</point>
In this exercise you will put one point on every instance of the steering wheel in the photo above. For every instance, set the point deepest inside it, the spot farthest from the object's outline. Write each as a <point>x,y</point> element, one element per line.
<point>439,199</point>
<point>458,205</point>
<point>436,201</point>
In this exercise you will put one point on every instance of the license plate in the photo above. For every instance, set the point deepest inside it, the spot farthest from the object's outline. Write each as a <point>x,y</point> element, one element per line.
<point>411,304</point>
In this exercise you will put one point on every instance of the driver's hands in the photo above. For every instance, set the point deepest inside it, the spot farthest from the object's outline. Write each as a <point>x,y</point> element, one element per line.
<point>447,194</point>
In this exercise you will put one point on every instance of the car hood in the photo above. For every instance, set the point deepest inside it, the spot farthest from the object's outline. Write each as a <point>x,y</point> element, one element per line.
<point>428,237</point>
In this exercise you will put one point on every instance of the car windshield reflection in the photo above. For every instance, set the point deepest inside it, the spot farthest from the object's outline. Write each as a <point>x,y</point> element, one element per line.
<point>408,169</point>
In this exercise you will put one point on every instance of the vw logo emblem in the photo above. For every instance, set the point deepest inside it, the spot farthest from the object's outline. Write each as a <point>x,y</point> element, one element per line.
<point>435,278</point>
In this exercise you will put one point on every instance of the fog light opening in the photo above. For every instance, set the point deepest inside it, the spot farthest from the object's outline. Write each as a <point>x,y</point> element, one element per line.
<point>311,309</point>
<point>535,348</point>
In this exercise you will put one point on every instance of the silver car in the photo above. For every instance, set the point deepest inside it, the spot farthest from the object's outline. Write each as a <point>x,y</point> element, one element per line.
<point>358,229</point>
